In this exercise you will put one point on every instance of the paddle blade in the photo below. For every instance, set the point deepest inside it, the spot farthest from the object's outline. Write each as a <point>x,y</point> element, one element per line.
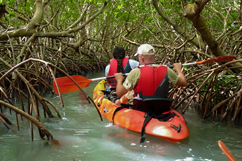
<point>226,151</point>
<point>224,58</point>
<point>67,85</point>
<point>217,59</point>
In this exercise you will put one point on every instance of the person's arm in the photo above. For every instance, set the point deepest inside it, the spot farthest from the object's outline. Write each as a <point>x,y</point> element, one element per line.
<point>107,70</point>
<point>181,78</point>
<point>120,90</point>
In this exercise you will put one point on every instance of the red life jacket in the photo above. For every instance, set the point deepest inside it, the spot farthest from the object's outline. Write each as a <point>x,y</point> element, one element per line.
<point>152,89</point>
<point>153,82</point>
<point>114,67</point>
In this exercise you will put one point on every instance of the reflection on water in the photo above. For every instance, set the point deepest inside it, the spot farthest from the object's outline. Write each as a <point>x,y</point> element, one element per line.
<point>83,136</point>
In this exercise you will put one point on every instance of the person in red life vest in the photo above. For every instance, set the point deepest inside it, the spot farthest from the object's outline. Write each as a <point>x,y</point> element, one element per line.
<point>119,64</point>
<point>150,82</point>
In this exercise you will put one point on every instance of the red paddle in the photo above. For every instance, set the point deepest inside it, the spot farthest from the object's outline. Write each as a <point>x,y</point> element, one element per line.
<point>226,151</point>
<point>67,85</point>
<point>211,60</point>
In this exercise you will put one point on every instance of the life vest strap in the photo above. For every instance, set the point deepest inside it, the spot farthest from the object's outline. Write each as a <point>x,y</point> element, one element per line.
<point>161,117</point>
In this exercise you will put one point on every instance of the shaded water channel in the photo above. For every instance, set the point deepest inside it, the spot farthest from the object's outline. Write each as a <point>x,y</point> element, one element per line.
<point>83,137</point>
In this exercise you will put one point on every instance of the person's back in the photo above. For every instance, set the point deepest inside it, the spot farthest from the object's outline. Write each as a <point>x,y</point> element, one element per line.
<point>152,89</point>
<point>150,83</point>
<point>119,64</point>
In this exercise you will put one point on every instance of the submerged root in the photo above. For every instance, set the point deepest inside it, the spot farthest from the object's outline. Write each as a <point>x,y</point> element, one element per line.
<point>217,90</point>
<point>25,85</point>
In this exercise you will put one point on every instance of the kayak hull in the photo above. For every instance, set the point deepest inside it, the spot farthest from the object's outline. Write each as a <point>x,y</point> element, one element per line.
<point>133,119</point>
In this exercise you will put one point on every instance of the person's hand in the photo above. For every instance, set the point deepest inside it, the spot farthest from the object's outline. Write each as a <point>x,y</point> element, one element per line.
<point>119,77</point>
<point>182,82</point>
<point>177,67</point>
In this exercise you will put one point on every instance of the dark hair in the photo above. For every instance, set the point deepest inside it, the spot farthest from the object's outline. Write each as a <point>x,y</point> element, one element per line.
<point>119,54</point>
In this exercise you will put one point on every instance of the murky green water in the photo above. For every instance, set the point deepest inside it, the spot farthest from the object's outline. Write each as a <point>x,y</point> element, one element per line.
<point>83,137</point>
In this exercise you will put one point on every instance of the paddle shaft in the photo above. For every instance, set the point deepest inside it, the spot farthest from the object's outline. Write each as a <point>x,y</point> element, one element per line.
<point>67,85</point>
<point>102,78</point>
<point>186,64</point>
<point>211,60</point>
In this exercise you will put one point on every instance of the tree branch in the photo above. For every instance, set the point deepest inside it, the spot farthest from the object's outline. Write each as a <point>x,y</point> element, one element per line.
<point>176,27</point>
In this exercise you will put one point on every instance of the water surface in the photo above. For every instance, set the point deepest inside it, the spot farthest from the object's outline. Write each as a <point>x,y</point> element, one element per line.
<point>83,137</point>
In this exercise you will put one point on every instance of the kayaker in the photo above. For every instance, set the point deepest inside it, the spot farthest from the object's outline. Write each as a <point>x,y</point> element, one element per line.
<point>150,81</point>
<point>119,64</point>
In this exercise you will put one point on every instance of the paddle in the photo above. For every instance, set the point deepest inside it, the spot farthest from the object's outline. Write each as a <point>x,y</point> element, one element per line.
<point>67,85</point>
<point>211,60</point>
<point>226,151</point>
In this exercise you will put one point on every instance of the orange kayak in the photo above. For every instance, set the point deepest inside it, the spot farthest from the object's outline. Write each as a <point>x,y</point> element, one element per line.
<point>175,129</point>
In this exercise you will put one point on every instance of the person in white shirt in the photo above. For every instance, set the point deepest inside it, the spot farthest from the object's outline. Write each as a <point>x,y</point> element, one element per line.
<point>119,64</point>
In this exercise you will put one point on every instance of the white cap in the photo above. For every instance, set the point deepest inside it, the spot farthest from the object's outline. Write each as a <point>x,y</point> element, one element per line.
<point>145,49</point>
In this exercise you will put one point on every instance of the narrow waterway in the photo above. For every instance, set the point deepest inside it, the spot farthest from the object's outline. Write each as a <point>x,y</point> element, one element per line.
<point>83,137</point>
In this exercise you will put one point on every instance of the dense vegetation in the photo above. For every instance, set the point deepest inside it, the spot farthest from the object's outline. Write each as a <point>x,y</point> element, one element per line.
<point>44,39</point>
